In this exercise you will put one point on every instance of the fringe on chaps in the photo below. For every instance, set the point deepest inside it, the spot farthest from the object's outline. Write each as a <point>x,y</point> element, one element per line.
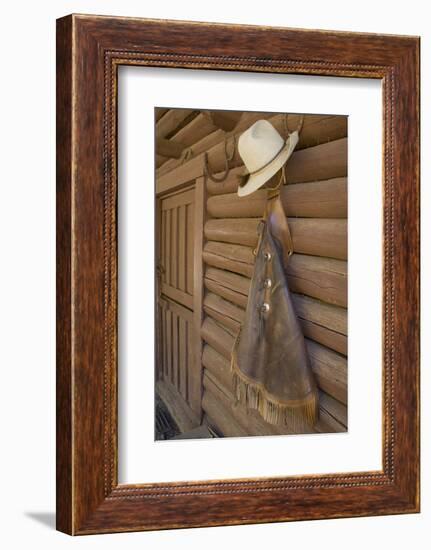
<point>297,415</point>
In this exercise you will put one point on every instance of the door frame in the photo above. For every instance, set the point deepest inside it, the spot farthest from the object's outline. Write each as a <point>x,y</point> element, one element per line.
<point>164,186</point>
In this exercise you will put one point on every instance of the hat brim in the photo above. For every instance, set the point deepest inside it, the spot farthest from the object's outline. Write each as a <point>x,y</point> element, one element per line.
<point>255,181</point>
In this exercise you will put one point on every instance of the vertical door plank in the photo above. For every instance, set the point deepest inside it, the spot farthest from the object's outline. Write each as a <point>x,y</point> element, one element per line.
<point>168,338</point>
<point>182,247</point>
<point>164,345</point>
<point>182,357</point>
<point>163,245</point>
<point>190,247</point>
<point>168,246</point>
<point>190,362</point>
<point>174,247</point>
<point>175,353</point>
<point>158,309</point>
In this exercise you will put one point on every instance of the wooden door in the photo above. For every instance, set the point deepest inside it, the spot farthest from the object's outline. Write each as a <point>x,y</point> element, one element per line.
<point>179,304</point>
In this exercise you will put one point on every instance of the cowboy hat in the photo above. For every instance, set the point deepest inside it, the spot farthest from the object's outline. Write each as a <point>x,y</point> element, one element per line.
<point>263,152</point>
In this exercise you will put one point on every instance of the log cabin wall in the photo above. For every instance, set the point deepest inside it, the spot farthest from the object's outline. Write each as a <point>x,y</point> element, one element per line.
<point>315,201</point>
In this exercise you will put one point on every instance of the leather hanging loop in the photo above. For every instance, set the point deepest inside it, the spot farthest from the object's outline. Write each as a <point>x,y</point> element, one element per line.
<point>298,128</point>
<point>228,158</point>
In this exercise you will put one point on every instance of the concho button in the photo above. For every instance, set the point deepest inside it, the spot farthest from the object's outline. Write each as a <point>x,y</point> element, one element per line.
<point>267,283</point>
<point>264,308</point>
<point>267,256</point>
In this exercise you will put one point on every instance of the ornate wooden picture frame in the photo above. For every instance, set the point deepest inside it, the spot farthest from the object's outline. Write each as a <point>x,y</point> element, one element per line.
<point>89,51</point>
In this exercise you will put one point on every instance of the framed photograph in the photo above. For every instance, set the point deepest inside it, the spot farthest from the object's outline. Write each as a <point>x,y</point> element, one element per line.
<point>237,274</point>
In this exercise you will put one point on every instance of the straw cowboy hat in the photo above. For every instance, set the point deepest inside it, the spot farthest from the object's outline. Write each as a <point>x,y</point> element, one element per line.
<point>264,152</point>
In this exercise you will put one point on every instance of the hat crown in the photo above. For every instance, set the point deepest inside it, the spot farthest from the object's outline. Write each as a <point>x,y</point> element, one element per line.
<point>258,145</point>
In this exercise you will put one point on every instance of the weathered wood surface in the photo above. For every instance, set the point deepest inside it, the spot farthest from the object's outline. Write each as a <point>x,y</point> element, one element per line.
<point>221,417</point>
<point>228,314</point>
<point>317,129</point>
<point>312,236</point>
<point>214,145</point>
<point>329,367</point>
<point>317,199</point>
<point>232,281</point>
<point>251,421</point>
<point>225,120</point>
<point>168,148</point>
<point>170,121</point>
<point>235,258</point>
<point>322,162</point>
<point>325,161</point>
<point>179,409</point>
<point>321,322</point>
<point>160,160</point>
<point>200,127</point>
<point>159,112</point>
<point>225,292</point>
<point>197,238</point>
<point>316,311</point>
<point>219,367</point>
<point>322,278</point>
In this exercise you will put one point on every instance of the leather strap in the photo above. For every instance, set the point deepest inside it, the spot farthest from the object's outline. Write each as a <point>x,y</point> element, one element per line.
<point>276,217</point>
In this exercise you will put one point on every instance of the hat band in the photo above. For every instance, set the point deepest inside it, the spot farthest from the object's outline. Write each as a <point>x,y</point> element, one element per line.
<point>269,162</point>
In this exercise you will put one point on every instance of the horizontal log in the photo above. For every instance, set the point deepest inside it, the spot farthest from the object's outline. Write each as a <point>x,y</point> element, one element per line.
<point>225,292</point>
<point>218,380</point>
<point>236,231</point>
<point>170,121</point>
<point>231,326</point>
<point>220,369</point>
<point>312,236</point>
<point>319,129</point>
<point>235,288</point>
<point>220,417</point>
<point>222,255</point>
<point>225,120</point>
<point>243,254</point>
<point>321,278</point>
<point>217,337</point>
<point>160,111</point>
<point>322,322</point>
<point>334,408</point>
<point>160,160</point>
<point>228,314</point>
<point>325,161</point>
<point>214,145</point>
<point>168,148</point>
<point>319,313</point>
<point>218,365</point>
<point>330,370</point>
<point>200,127</point>
<point>329,367</point>
<point>316,129</point>
<point>324,336</point>
<point>318,199</point>
<point>322,162</point>
<point>250,420</point>
<point>231,281</point>
<point>221,304</point>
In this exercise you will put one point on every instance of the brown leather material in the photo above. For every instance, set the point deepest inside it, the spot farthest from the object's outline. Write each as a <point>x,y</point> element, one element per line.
<point>270,364</point>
